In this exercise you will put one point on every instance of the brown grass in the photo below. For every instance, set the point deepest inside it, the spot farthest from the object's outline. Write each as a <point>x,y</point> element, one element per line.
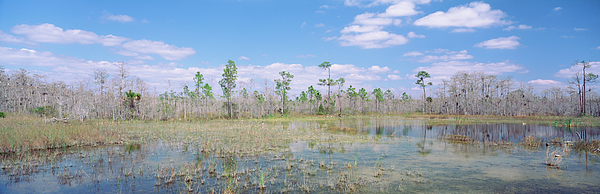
<point>24,132</point>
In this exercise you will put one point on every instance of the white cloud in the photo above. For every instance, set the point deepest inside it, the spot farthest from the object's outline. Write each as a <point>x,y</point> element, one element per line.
<point>472,15</point>
<point>168,52</point>
<point>303,24</point>
<point>134,54</point>
<point>319,11</point>
<point>557,8</point>
<point>51,34</point>
<point>412,54</point>
<point>520,27</point>
<point>545,82</point>
<point>394,77</point>
<point>326,7</point>
<point>500,43</point>
<point>460,30</point>
<point>564,36</point>
<point>360,29</point>
<point>450,56</point>
<point>58,64</point>
<point>598,47</point>
<point>370,19</point>
<point>378,70</point>
<point>433,58</point>
<point>118,18</point>
<point>569,72</point>
<point>439,50</point>
<point>305,56</point>
<point>415,35</point>
<point>243,58</point>
<point>403,8</point>
<point>376,39</point>
<point>4,37</point>
<point>579,29</point>
<point>65,68</point>
<point>329,38</point>
<point>445,70</point>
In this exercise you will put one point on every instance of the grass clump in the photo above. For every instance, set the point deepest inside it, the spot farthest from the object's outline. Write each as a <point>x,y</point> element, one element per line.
<point>532,142</point>
<point>2,115</point>
<point>589,146</point>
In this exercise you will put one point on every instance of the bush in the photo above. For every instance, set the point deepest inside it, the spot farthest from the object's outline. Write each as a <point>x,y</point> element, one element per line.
<point>2,115</point>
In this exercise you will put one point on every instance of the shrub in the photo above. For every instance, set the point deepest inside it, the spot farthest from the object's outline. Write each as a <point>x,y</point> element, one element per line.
<point>2,115</point>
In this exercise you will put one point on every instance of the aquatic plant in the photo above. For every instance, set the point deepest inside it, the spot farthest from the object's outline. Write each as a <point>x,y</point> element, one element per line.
<point>553,158</point>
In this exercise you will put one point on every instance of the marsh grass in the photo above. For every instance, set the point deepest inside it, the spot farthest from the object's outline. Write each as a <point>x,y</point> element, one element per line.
<point>532,142</point>
<point>20,133</point>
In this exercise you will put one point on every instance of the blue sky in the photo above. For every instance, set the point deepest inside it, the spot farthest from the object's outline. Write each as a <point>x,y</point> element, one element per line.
<point>372,43</point>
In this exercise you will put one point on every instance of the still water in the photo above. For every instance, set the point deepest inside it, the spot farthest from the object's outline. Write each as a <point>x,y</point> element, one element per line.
<point>408,156</point>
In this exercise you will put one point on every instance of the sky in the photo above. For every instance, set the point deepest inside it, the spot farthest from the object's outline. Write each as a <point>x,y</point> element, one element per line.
<point>371,43</point>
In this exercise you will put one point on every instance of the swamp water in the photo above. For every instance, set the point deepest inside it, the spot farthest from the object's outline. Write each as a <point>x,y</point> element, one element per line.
<point>381,155</point>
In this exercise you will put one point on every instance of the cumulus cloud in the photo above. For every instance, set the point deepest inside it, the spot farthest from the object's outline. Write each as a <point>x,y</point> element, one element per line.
<point>460,30</point>
<point>118,18</point>
<point>415,35</point>
<point>376,39</point>
<point>445,70</point>
<point>403,8</point>
<point>394,77</point>
<point>4,37</point>
<point>412,54</point>
<point>360,29</point>
<point>367,29</point>
<point>545,82</point>
<point>520,27</point>
<point>472,15</point>
<point>569,72</point>
<point>500,43</point>
<point>449,56</point>
<point>378,70</point>
<point>49,33</point>
<point>169,52</point>
<point>134,54</point>
<point>434,57</point>
<point>65,68</point>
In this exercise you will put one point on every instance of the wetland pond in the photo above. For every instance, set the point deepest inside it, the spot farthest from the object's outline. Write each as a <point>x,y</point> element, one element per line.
<point>361,155</point>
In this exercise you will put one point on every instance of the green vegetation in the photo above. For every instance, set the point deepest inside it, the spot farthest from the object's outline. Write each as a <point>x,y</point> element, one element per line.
<point>2,115</point>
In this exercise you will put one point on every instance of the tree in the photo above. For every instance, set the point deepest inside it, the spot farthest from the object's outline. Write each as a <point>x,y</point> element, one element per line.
<point>378,94</point>
<point>283,85</point>
<point>198,82</point>
<point>587,78</point>
<point>228,84</point>
<point>326,82</point>
<point>421,82</point>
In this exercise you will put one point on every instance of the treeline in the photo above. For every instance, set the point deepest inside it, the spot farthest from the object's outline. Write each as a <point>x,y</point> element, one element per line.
<point>120,97</point>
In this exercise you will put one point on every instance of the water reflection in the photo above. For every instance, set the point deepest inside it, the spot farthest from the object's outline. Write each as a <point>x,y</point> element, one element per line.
<point>407,156</point>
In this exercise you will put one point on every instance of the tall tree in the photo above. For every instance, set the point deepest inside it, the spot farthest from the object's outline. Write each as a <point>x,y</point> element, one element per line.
<point>587,78</point>
<point>198,82</point>
<point>228,84</point>
<point>283,85</point>
<point>326,82</point>
<point>421,82</point>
